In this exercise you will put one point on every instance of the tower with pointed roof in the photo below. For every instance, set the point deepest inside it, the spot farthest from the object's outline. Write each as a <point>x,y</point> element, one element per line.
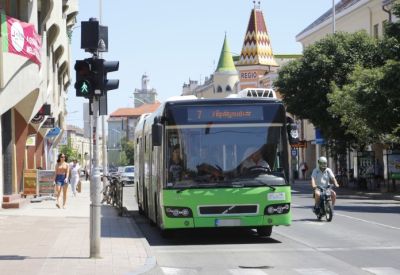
<point>146,95</point>
<point>256,58</point>
<point>222,83</point>
<point>226,76</point>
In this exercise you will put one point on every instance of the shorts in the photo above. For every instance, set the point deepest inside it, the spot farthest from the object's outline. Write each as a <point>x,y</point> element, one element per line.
<point>60,180</point>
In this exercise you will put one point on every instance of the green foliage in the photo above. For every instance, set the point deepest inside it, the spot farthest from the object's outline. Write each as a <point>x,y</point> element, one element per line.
<point>369,105</point>
<point>306,83</point>
<point>128,149</point>
<point>123,160</point>
<point>69,151</point>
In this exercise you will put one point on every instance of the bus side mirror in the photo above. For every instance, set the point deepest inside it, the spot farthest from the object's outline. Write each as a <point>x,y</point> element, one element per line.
<point>156,134</point>
<point>293,133</point>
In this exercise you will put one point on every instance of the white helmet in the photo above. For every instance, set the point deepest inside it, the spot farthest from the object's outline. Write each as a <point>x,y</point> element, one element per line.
<point>322,162</point>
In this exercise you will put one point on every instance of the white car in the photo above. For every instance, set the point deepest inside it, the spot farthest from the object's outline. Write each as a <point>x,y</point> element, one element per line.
<point>127,175</point>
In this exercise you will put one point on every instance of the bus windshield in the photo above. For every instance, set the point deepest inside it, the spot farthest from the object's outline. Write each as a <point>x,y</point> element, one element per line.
<point>224,155</point>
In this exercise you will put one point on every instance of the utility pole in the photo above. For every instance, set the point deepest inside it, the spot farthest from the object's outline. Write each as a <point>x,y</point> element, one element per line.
<point>333,17</point>
<point>95,213</point>
<point>92,83</point>
<point>103,118</point>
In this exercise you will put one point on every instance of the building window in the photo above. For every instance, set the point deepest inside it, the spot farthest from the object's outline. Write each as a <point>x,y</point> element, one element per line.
<point>219,89</point>
<point>376,30</point>
<point>228,88</point>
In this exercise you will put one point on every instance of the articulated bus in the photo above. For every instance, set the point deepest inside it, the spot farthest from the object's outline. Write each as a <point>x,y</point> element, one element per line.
<point>192,163</point>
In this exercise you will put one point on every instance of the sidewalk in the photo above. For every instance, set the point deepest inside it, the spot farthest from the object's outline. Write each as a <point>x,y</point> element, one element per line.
<point>43,239</point>
<point>349,191</point>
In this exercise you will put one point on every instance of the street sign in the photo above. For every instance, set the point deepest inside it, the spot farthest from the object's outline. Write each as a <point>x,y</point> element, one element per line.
<point>301,144</point>
<point>294,152</point>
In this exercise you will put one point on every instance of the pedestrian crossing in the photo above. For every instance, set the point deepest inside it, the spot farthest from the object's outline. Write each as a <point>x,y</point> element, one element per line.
<point>256,271</point>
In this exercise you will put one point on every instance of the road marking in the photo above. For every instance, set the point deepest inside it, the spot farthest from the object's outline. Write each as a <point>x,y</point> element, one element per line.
<point>382,270</point>
<point>366,221</point>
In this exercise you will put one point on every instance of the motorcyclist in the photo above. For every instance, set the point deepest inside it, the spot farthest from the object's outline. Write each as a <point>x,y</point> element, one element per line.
<point>322,176</point>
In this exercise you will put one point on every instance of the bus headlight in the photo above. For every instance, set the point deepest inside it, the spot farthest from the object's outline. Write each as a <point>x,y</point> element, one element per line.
<point>275,209</point>
<point>178,212</point>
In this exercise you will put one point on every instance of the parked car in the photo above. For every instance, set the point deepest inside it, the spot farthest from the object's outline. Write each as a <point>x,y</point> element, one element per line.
<point>127,175</point>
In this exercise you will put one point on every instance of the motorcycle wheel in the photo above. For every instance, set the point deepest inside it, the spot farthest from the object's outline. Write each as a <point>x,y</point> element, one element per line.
<point>328,211</point>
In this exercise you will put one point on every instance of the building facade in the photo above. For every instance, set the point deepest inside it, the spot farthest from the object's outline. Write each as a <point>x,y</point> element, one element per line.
<point>350,16</point>
<point>121,124</point>
<point>34,72</point>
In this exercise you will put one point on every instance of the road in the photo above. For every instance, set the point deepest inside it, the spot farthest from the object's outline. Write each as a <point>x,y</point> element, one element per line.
<point>363,238</point>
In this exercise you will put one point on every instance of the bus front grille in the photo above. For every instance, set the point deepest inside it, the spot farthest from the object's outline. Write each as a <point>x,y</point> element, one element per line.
<point>251,209</point>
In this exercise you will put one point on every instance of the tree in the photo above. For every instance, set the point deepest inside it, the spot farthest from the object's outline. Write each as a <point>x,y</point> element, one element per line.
<point>369,105</point>
<point>129,149</point>
<point>326,65</point>
<point>69,151</point>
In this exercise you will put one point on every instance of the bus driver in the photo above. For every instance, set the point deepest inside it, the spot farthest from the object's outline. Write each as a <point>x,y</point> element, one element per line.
<point>175,165</point>
<point>253,158</point>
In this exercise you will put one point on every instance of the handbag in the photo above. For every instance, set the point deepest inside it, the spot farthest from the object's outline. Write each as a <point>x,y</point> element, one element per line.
<point>79,187</point>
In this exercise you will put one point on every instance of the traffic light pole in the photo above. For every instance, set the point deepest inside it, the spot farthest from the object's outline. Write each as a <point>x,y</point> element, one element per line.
<point>95,187</point>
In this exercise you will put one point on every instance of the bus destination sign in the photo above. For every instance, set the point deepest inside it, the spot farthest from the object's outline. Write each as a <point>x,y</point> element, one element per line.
<point>225,113</point>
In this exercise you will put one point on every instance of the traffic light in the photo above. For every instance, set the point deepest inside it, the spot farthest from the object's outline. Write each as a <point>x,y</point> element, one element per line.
<point>85,80</point>
<point>102,68</point>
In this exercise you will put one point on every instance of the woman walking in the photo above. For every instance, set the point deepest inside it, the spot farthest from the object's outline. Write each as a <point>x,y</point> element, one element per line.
<point>75,172</point>
<point>61,179</point>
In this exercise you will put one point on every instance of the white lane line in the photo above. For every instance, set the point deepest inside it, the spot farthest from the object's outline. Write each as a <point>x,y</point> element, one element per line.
<point>382,270</point>
<point>366,221</point>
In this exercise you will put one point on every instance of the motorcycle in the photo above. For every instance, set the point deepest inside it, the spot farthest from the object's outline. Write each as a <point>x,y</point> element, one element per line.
<point>325,207</point>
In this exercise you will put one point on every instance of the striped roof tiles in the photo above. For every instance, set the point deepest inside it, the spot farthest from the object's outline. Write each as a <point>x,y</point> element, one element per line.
<point>257,48</point>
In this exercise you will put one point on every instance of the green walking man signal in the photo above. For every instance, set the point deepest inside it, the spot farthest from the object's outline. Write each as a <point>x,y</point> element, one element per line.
<point>91,75</point>
<point>85,78</point>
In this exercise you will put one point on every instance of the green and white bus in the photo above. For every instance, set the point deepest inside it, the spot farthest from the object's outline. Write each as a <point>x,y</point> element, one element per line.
<point>205,183</point>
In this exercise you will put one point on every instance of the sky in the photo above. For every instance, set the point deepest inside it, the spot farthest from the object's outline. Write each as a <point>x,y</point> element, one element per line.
<point>174,41</point>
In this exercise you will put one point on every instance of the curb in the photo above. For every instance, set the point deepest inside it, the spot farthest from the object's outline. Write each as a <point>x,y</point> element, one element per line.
<point>150,261</point>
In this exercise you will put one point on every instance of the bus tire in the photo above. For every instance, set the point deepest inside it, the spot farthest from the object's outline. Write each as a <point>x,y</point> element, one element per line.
<point>264,231</point>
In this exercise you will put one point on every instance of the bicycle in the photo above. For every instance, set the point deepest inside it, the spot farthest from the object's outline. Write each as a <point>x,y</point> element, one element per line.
<point>110,191</point>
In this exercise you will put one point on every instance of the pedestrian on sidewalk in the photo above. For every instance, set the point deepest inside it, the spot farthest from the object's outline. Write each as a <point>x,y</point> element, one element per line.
<point>61,179</point>
<point>304,168</point>
<point>75,175</point>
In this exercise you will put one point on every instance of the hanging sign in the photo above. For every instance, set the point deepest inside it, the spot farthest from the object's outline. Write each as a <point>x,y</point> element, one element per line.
<point>20,38</point>
<point>48,123</point>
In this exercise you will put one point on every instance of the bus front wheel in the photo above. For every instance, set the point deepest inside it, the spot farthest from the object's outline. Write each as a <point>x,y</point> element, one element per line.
<point>264,231</point>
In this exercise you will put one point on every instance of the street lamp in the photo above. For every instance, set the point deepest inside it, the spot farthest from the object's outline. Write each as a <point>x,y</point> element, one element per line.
<point>333,17</point>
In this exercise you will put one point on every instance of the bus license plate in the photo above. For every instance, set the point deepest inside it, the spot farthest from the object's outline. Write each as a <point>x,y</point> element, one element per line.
<point>227,222</point>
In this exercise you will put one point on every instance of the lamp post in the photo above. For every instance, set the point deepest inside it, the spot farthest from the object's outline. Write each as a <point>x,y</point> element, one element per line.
<point>333,17</point>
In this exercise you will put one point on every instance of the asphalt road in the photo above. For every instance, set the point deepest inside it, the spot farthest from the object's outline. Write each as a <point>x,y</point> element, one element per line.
<point>363,238</point>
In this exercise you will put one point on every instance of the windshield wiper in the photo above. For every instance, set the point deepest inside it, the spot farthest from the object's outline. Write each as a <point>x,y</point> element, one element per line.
<point>270,186</point>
